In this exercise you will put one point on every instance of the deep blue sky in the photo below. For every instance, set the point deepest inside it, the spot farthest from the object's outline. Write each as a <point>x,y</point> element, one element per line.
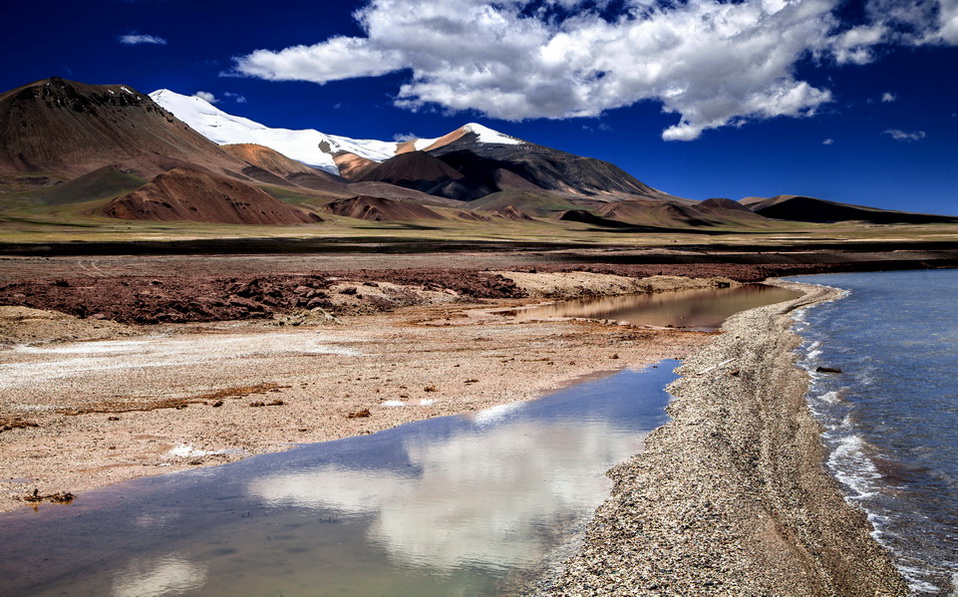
<point>863,163</point>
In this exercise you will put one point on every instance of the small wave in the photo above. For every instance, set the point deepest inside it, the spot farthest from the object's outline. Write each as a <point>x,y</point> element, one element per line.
<point>832,397</point>
<point>852,467</point>
<point>916,584</point>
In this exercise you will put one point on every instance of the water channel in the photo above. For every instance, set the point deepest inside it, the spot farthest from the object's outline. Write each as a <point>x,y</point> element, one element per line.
<point>465,505</point>
<point>447,506</point>
<point>700,309</point>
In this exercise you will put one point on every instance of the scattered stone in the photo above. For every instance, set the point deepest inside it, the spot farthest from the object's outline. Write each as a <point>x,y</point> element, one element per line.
<point>36,497</point>
<point>360,414</point>
<point>15,423</point>
<point>827,370</point>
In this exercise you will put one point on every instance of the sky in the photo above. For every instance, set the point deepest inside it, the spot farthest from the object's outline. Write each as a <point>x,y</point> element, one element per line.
<point>853,101</point>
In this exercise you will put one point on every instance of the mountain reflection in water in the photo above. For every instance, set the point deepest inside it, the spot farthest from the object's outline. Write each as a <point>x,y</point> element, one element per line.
<point>702,309</point>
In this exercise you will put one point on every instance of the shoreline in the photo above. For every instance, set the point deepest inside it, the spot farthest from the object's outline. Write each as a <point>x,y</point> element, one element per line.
<point>757,515</point>
<point>731,496</point>
<point>227,390</point>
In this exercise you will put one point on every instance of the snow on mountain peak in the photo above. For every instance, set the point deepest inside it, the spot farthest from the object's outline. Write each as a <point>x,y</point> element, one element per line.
<point>487,135</point>
<point>308,146</point>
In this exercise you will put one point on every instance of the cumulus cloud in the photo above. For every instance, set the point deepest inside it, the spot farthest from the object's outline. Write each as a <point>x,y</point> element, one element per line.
<point>908,136</point>
<point>239,99</point>
<point>206,96</point>
<point>710,62</point>
<point>828,142</point>
<point>888,97</point>
<point>134,39</point>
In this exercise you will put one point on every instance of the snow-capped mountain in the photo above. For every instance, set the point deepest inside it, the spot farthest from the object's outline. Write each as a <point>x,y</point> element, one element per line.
<point>301,145</point>
<point>308,146</point>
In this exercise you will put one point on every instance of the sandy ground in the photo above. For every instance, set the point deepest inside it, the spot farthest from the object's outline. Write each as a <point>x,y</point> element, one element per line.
<point>87,403</point>
<point>731,497</point>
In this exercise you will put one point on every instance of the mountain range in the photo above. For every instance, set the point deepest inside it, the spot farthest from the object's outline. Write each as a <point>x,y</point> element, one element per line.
<point>111,151</point>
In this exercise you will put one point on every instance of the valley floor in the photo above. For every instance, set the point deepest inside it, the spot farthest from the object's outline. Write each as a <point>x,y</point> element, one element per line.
<point>86,402</point>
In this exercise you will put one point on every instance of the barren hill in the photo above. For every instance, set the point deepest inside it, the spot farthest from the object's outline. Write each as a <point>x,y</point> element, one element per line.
<point>378,209</point>
<point>809,209</point>
<point>416,170</point>
<point>192,195</point>
<point>68,129</point>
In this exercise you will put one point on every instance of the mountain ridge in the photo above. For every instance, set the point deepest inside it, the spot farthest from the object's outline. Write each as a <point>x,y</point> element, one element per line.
<point>68,143</point>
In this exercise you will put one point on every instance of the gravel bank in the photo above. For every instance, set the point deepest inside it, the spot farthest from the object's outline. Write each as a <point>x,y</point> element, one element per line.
<point>731,498</point>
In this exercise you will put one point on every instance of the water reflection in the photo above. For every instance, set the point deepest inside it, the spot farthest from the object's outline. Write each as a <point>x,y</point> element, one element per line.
<point>171,574</point>
<point>704,309</point>
<point>477,499</point>
<point>447,506</point>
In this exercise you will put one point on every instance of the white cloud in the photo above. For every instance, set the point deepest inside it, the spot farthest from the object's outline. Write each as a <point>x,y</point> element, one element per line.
<point>712,63</point>
<point>948,21</point>
<point>828,141</point>
<point>888,97</point>
<point>133,39</point>
<point>335,59</point>
<point>206,96</point>
<point>239,99</point>
<point>854,46</point>
<point>908,136</point>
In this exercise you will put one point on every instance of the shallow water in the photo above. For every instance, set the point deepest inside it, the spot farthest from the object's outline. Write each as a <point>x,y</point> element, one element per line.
<point>702,309</point>
<point>891,415</point>
<point>449,506</point>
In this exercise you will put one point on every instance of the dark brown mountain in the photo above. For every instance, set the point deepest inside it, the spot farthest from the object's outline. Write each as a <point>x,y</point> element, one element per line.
<point>809,209</point>
<point>184,194</point>
<point>669,214</point>
<point>67,129</point>
<point>492,167</point>
<point>379,209</point>
<point>415,170</point>
<point>587,217</point>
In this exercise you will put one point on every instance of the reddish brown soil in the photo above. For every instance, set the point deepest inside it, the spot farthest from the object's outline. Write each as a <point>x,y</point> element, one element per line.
<point>184,288</point>
<point>191,195</point>
<point>377,209</point>
<point>179,299</point>
<point>71,129</point>
<point>272,160</point>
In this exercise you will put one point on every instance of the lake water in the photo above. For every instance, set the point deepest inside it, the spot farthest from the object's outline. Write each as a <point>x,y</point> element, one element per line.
<point>702,309</point>
<point>891,415</point>
<point>449,506</point>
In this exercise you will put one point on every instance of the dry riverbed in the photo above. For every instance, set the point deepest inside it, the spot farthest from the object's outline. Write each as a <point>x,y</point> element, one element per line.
<point>85,403</point>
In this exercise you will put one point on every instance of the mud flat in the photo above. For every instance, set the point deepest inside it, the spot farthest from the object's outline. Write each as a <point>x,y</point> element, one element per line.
<point>731,497</point>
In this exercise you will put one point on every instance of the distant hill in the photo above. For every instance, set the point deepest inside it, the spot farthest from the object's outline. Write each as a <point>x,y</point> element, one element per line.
<point>109,149</point>
<point>381,210</point>
<point>798,208</point>
<point>184,194</point>
<point>67,129</point>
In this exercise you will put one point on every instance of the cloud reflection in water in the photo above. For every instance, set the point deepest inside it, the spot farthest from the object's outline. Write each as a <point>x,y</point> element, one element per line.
<point>486,497</point>
<point>170,574</point>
